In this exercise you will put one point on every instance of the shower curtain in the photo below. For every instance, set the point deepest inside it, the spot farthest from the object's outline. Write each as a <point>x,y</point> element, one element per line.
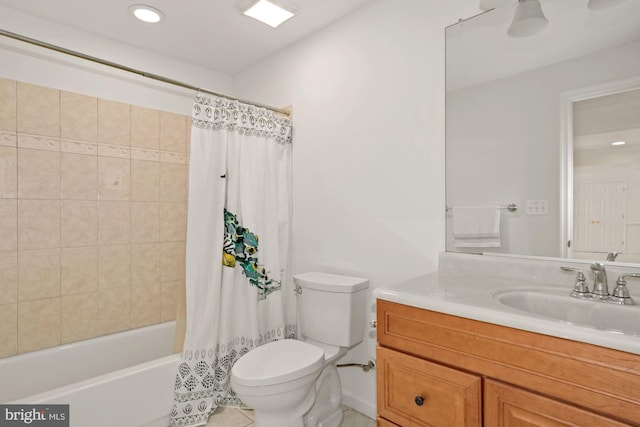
<point>238,272</point>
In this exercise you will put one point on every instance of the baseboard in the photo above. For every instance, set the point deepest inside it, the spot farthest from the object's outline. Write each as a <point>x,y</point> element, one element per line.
<point>359,405</point>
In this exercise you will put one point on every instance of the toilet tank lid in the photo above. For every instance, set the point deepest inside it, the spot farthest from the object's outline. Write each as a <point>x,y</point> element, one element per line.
<point>331,282</point>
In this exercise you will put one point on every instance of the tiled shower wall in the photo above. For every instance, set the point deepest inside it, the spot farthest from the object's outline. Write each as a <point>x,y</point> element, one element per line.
<point>92,216</point>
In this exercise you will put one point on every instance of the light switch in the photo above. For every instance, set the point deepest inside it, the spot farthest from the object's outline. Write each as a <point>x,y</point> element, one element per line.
<point>537,207</point>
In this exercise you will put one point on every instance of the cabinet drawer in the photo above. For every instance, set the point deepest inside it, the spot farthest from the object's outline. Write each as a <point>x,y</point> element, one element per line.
<point>505,405</point>
<point>384,423</point>
<point>416,392</point>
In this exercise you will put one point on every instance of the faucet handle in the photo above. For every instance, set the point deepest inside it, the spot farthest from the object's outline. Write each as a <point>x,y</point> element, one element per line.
<point>580,289</point>
<point>621,293</point>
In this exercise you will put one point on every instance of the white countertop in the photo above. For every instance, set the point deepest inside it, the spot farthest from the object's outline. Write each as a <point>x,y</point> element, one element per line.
<point>472,296</point>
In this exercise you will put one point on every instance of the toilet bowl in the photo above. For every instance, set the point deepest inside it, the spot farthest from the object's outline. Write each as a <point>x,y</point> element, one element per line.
<point>290,383</point>
<point>295,383</point>
<point>279,379</point>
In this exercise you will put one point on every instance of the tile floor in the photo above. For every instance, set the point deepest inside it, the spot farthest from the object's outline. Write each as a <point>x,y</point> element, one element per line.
<point>234,417</point>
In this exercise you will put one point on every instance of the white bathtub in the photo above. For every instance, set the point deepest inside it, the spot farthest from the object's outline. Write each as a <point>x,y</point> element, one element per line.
<point>124,379</point>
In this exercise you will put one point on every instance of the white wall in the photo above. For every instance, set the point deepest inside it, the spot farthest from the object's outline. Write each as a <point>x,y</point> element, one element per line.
<point>31,64</point>
<point>368,110</point>
<point>503,143</point>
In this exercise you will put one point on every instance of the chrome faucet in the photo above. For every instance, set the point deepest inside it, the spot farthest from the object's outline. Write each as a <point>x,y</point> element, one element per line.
<point>580,289</point>
<point>611,256</point>
<point>600,290</point>
<point>621,293</point>
<point>600,286</point>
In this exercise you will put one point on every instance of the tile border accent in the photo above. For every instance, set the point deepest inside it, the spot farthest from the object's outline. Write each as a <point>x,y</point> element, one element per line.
<point>38,142</point>
<point>79,147</point>
<point>8,139</point>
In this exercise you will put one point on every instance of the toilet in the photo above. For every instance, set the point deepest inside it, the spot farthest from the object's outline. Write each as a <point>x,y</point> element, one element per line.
<point>295,383</point>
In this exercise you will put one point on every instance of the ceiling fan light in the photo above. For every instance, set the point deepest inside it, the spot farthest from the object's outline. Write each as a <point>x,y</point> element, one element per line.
<point>528,19</point>
<point>604,4</point>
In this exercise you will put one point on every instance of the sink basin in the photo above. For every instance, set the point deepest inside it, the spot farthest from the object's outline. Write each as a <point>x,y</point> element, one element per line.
<point>551,304</point>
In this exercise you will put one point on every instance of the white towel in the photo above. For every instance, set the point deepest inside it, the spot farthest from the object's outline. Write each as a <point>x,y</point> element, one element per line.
<point>476,226</point>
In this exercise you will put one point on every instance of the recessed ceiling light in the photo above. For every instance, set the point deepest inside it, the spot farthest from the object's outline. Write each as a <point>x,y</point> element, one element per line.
<point>269,13</point>
<point>146,13</point>
<point>618,143</point>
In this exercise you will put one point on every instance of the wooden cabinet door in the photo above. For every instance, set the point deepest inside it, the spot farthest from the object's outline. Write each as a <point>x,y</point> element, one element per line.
<point>509,406</point>
<point>384,423</point>
<point>414,392</point>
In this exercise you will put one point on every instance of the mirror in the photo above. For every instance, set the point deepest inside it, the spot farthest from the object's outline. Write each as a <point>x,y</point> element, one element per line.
<point>530,122</point>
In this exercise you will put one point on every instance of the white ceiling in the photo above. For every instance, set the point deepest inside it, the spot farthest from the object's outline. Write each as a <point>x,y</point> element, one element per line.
<point>208,33</point>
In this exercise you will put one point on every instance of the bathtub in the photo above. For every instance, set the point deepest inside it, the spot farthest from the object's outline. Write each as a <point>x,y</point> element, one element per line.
<point>124,379</point>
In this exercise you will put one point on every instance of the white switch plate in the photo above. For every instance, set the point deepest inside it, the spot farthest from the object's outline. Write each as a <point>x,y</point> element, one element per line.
<point>537,207</point>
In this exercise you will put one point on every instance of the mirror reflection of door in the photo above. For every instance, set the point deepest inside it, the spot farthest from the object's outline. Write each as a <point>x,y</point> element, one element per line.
<point>606,177</point>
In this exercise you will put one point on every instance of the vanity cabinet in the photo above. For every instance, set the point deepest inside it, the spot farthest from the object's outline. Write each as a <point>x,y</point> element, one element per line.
<point>472,373</point>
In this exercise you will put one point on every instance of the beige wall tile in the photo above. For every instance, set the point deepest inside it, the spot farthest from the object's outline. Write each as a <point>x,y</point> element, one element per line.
<point>114,310</point>
<point>145,181</point>
<point>79,317</point>
<point>79,223</point>
<point>172,261</point>
<point>8,105</point>
<point>38,224</point>
<point>8,330</point>
<point>38,174</point>
<point>145,128</point>
<point>114,176</point>
<point>114,222</point>
<point>8,224</point>
<point>114,123</point>
<point>8,277</point>
<point>38,324</point>
<point>38,110</point>
<point>79,270</point>
<point>114,266</point>
<point>78,177</point>
<point>188,136</point>
<point>169,299</point>
<point>145,305</point>
<point>38,274</point>
<point>173,132</point>
<point>145,222</point>
<point>78,117</point>
<point>9,172</point>
<point>173,182</point>
<point>173,221</point>
<point>145,263</point>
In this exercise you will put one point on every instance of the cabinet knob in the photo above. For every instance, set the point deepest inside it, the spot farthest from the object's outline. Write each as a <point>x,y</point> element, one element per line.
<point>419,400</point>
<point>373,323</point>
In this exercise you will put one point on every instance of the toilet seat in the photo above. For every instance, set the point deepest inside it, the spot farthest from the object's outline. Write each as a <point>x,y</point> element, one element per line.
<point>277,362</point>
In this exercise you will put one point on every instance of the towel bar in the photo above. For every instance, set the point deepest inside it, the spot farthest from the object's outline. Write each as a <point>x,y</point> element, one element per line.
<point>511,207</point>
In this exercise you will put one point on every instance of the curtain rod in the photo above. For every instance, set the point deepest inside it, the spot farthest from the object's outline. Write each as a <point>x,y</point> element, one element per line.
<point>152,76</point>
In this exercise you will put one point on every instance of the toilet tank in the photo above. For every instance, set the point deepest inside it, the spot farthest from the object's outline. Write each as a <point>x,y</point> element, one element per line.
<point>332,308</point>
